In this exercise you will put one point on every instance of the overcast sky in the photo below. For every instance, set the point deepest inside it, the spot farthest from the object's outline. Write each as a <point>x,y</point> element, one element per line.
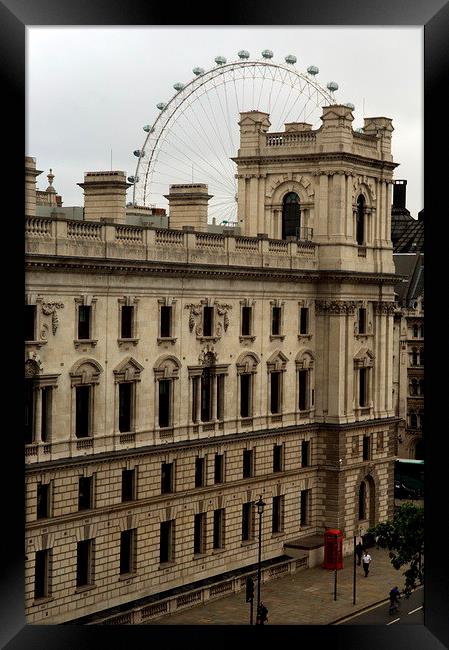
<point>91,89</point>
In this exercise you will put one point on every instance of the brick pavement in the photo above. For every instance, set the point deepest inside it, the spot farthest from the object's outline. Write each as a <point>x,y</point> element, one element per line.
<point>306,597</point>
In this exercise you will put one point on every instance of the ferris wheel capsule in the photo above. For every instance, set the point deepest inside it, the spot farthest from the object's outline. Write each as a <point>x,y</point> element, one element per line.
<point>219,60</point>
<point>332,85</point>
<point>178,86</point>
<point>133,179</point>
<point>267,54</point>
<point>148,128</point>
<point>313,70</point>
<point>243,54</point>
<point>349,105</point>
<point>198,70</point>
<point>138,153</point>
<point>290,58</point>
<point>161,106</point>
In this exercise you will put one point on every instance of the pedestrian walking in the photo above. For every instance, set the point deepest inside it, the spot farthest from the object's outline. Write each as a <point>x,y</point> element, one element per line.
<point>359,553</point>
<point>262,615</point>
<point>366,560</point>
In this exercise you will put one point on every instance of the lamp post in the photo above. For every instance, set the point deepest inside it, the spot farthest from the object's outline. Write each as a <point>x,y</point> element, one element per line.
<point>260,505</point>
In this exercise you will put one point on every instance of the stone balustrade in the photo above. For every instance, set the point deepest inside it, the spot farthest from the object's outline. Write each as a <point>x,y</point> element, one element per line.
<point>49,236</point>
<point>292,139</point>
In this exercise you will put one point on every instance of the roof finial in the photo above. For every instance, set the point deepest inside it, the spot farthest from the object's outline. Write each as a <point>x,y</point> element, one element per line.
<point>50,177</point>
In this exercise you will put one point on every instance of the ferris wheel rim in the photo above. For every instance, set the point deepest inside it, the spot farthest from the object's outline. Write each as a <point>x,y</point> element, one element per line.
<point>207,76</point>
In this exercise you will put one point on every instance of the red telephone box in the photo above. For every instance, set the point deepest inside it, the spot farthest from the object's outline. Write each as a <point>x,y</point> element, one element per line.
<point>333,549</point>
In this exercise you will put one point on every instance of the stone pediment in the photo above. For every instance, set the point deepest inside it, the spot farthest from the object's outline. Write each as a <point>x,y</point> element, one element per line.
<point>128,370</point>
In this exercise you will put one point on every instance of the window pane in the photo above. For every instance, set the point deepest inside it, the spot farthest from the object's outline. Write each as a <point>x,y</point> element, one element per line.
<point>164,402</point>
<point>128,485</point>
<point>29,411</point>
<point>206,395</point>
<point>218,468</point>
<point>84,492</point>
<point>246,321</point>
<point>276,321</point>
<point>82,411</point>
<point>245,395</point>
<point>127,321</point>
<point>166,312</point>
<point>208,321</point>
<point>304,320</point>
<point>43,495</point>
<point>84,314</point>
<point>127,538</point>
<point>199,472</point>
<point>125,406</point>
<point>30,322</point>
<point>41,574</point>
<point>83,562</point>
<point>275,392</point>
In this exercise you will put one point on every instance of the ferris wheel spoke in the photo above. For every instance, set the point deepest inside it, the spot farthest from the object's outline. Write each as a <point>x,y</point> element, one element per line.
<point>219,178</point>
<point>227,120</point>
<point>217,130</point>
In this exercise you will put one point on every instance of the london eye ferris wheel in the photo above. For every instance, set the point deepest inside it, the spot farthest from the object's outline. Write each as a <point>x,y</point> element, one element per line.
<point>195,133</point>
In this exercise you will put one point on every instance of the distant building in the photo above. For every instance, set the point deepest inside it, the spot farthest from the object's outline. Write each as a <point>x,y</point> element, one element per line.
<point>408,256</point>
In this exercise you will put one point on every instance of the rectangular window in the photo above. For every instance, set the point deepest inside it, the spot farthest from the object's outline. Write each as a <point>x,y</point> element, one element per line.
<point>199,472</point>
<point>218,536</point>
<point>366,450</point>
<point>85,492</point>
<point>277,523</point>
<point>166,541</point>
<point>30,322</point>
<point>195,389</point>
<point>220,396</point>
<point>208,321</point>
<point>128,551</point>
<point>166,324</point>
<point>246,321</point>
<point>29,411</point>
<point>305,453</point>
<point>304,320</point>
<point>43,500</point>
<point>83,399</point>
<point>362,320</point>
<point>363,385</point>
<point>199,534</point>
<point>164,403</point>
<point>166,478</point>
<point>247,522</point>
<point>303,389</point>
<point>276,321</point>
<point>127,313</point>
<point>248,463</point>
<point>219,468</point>
<point>84,322</point>
<point>125,406</point>
<point>128,485</point>
<point>245,396</point>
<point>206,395</point>
<point>42,574</point>
<point>46,396</point>
<point>277,458</point>
<point>275,392</point>
<point>305,499</point>
<point>84,560</point>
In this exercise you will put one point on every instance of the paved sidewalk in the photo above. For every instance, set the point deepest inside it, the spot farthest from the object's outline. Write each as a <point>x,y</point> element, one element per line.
<point>306,597</point>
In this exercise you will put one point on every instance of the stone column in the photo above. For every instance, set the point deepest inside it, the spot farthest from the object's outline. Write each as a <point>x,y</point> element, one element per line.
<point>38,414</point>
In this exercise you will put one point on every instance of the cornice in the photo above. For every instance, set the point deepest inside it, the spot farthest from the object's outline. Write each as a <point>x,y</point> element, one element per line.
<point>182,269</point>
<point>314,157</point>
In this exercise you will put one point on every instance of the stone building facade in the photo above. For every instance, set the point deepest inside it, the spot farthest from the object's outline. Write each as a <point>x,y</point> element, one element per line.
<point>175,375</point>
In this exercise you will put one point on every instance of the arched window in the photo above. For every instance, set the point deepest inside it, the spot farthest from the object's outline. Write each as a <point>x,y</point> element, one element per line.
<point>166,371</point>
<point>246,370</point>
<point>84,377</point>
<point>291,216</point>
<point>362,500</point>
<point>360,221</point>
<point>413,420</point>
<point>305,387</point>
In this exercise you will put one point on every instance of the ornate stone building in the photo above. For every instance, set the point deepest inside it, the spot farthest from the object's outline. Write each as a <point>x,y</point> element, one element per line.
<point>175,374</point>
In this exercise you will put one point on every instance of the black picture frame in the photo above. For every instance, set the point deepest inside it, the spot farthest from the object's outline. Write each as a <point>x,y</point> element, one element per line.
<point>15,15</point>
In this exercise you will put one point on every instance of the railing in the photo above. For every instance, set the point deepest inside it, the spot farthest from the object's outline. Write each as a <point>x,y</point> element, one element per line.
<point>290,139</point>
<point>72,238</point>
<point>84,230</point>
<point>129,234</point>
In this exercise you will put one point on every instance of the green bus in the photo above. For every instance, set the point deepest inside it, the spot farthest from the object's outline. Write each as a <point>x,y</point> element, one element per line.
<point>408,479</point>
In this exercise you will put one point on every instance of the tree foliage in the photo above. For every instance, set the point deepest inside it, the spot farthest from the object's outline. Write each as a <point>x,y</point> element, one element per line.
<point>403,536</point>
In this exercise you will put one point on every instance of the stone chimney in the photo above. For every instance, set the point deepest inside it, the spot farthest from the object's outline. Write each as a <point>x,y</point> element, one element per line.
<point>335,134</point>
<point>253,125</point>
<point>187,206</point>
<point>383,128</point>
<point>31,174</point>
<point>105,196</point>
<point>399,194</point>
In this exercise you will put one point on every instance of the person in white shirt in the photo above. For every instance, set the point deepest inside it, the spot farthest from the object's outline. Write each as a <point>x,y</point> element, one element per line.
<point>366,559</point>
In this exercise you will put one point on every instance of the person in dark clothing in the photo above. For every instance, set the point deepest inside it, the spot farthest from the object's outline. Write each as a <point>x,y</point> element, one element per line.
<point>262,615</point>
<point>395,594</point>
<point>358,552</point>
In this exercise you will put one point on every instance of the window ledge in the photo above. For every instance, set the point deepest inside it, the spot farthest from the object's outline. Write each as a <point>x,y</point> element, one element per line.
<point>89,342</point>
<point>217,551</point>
<point>206,339</point>
<point>246,338</point>
<point>35,344</point>
<point>166,339</point>
<point>199,556</point>
<point>278,534</point>
<point>84,588</point>
<point>167,565</point>
<point>248,542</point>
<point>247,421</point>
<point>305,336</point>
<point>127,576</point>
<point>121,341</point>
<point>42,601</point>
<point>277,337</point>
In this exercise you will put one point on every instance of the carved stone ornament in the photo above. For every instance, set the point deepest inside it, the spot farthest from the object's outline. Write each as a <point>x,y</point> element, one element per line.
<point>208,356</point>
<point>33,365</point>
<point>49,309</point>
<point>335,306</point>
<point>382,307</point>
<point>196,318</point>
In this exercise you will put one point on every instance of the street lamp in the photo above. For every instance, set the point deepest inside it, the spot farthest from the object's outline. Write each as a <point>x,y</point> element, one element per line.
<point>260,505</point>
